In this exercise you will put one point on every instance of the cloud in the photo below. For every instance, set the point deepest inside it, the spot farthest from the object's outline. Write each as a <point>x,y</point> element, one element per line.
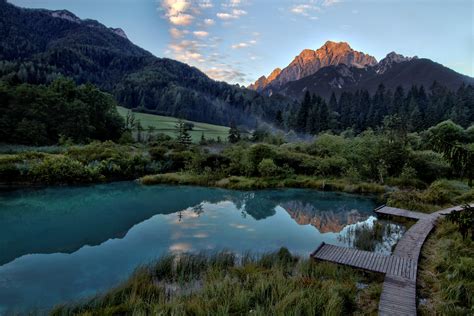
<point>232,3</point>
<point>201,33</point>
<point>327,3</point>
<point>176,33</point>
<point>191,25</point>
<point>205,4</point>
<point>310,7</point>
<point>209,22</point>
<point>225,73</point>
<point>240,45</point>
<point>305,9</point>
<point>181,19</point>
<point>234,14</point>
<point>177,11</point>
<point>244,44</point>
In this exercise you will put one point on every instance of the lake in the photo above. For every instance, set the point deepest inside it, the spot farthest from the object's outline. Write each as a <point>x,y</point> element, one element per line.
<point>59,244</point>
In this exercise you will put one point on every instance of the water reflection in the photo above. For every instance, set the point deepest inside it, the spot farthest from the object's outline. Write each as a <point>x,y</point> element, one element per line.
<point>60,244</point>
<point>64,219</point>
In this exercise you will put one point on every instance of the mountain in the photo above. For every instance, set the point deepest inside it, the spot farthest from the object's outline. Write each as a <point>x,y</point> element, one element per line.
<point>38,45</point>
<point>392,71</point>
<point>263,81</point>
<point>336,67</point>
<point>310,61</point>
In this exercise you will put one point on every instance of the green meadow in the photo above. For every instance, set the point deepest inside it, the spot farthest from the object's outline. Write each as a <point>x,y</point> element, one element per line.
<point>166,125</point>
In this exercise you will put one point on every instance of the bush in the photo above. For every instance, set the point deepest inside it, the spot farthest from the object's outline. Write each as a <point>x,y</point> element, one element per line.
<point>267,168</point>
<point>158,152</point>
<point>444,191</point>
<point>429,165</point>
<point>62,169</point>
<point>259,152</point>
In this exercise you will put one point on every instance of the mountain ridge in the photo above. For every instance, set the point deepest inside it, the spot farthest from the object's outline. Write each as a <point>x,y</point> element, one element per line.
<point>308,62</point>
<point>341,73</point>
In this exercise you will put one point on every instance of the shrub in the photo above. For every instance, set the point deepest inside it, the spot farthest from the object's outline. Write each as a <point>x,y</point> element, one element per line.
<point>267,168</point>
<point>259,152</point>
<point>444,191</point>
<point>62,169</point>
<point>158,152</point>
<point>429,165</point>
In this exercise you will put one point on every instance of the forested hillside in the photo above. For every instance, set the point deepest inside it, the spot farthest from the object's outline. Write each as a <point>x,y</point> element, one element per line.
<point>39,44</point>
<point>411,110</point>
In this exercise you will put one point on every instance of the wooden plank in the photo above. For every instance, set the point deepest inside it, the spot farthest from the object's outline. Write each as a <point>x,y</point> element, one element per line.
<point>352,256</point>
<point>356,258</point>
<point>321,253</point>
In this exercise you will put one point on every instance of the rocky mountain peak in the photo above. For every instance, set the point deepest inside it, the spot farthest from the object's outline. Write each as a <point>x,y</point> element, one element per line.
<point>310,61</point>
<point>263,81</point>
<point>274,74</point>
<point>391,59</point>
<point>66,15</point>
<point>119,32</point>
<point>331,46</point>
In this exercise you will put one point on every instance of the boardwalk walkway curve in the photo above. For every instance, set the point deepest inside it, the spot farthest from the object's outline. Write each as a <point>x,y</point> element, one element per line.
<point>399,288</point>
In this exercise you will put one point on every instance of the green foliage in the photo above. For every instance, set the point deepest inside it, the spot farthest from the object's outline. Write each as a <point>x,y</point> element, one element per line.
<point>449,139</point>
<point>446,272</point>
<point>428,165</point>
<point>39,115</point>
<point>234,134</point>
<point>62,170</point>
<point>182,133</point>
<point>267,168</point>
<point>439,194</point>
<point>464,219</point>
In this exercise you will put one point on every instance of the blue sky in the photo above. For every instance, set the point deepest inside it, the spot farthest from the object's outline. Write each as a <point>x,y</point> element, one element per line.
<point>239,40</point>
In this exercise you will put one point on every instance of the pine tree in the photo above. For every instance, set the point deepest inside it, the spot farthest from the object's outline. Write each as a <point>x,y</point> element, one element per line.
<point>183,136</point>
<point>203,140</point>
<point>302,117</point>
<point>139,131</point>
<point>234,134</point>
<point>279,119</point>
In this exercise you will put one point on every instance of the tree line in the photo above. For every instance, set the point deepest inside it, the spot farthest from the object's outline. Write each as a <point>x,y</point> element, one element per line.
<point>415,109</point>
<point>47,114</point>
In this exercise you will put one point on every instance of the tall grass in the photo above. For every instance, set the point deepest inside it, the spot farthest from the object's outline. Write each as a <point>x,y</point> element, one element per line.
<point>446,274</point>
<point>250,183</point>
<point>224,283</point>
<point>439,194</point>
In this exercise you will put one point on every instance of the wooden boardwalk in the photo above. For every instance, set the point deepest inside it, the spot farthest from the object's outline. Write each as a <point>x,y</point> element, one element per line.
<point>393,211</point>
<point>367,260</point>
<point>398,295</point>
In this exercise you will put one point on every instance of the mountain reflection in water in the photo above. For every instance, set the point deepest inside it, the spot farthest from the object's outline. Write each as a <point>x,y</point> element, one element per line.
<point>93,237</point>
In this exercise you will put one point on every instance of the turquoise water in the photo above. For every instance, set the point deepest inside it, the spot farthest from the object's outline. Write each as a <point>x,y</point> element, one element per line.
<point>65,243</point>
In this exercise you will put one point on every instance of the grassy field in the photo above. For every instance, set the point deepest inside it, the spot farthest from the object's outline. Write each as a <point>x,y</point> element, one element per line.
<point>166,125</point>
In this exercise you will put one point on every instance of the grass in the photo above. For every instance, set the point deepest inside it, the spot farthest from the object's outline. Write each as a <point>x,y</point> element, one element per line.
<point>222,284</point>
<point>247,183</point>
<point>440,194</point>
<point>446,273</point>
<point>16,149</point>
<point>166,125</point>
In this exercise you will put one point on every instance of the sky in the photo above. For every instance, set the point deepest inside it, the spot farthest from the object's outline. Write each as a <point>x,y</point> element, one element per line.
<point>240,40</point>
